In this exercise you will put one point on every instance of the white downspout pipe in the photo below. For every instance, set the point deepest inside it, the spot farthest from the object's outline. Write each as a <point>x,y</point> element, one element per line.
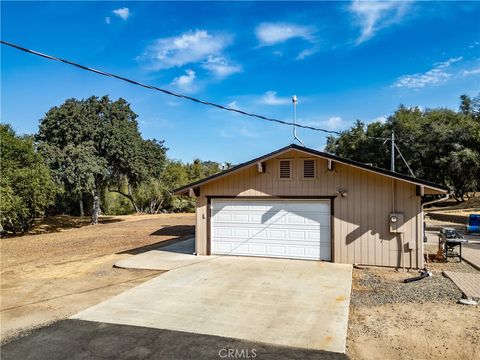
<point>447,196</point>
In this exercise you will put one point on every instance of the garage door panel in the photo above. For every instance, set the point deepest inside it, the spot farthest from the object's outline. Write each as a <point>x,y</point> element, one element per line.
<point>323,235</point>
<point>278,250</point>
<point>222,247</point>
<point>264,250</point>
<point>236,233</point>
<point>296,235</point>
<point>312,239</point>
<point>241,233</point>
<point>236,244</point>
<point>278,219</point>
<point>278,228</point>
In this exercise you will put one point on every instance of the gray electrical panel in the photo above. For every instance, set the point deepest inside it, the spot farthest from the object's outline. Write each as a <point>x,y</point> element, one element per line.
<point>395,221</point>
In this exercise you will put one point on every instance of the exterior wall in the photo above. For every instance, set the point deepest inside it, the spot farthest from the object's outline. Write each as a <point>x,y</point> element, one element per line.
<point>360,221</point>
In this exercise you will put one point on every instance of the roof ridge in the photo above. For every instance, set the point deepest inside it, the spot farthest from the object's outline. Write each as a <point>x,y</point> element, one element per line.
<point>311,151</point>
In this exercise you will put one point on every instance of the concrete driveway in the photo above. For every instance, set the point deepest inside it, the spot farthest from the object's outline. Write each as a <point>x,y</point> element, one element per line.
<point>168,257</point>
<point>302,304</point>
<point>81,340</point>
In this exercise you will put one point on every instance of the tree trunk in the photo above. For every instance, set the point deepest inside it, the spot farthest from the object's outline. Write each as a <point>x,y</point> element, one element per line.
<point>80,205</point>
<point>129,196</point>
<point>96,206</point>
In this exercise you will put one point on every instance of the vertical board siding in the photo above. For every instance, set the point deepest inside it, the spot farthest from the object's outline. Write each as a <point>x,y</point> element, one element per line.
<point>201,225</point>
<point>360,224</point>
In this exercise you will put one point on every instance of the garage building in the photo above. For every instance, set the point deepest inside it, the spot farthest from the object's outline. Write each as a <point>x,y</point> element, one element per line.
<point>300,203</point>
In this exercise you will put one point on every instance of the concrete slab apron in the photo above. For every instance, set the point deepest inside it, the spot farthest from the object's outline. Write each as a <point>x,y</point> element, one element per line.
<point>164,258</point>
<point>285,302</point>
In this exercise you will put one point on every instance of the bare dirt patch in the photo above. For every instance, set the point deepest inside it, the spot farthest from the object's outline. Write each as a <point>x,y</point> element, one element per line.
<point>452,212</point>
<point>54,275</point>
<point>419,320</point>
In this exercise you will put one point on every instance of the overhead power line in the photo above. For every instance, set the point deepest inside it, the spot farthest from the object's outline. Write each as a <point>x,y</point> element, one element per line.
<point>168,92</point>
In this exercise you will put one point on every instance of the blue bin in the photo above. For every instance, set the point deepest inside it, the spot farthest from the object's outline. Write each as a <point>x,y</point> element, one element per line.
<point>474,220</point>
<point>473,229</point>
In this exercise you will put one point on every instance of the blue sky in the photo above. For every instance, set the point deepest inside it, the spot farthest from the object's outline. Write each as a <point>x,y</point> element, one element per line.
<point>344,61</point>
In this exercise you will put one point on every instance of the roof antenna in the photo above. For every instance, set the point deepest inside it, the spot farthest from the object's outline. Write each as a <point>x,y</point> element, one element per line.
<point>295,137</point>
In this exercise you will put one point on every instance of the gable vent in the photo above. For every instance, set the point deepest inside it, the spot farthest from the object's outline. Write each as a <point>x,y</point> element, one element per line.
<point>285,169</point>
<point>308,169</point>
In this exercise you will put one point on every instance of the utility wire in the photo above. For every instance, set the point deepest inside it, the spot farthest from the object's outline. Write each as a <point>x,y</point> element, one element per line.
<point>405,161</point>
<point>168,92</point>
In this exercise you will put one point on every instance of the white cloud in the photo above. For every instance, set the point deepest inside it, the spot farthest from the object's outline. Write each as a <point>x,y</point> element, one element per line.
<point>185,82</point>
<point>220,66</point>
<point>233,104</point>
<point>376,15</point>
<point>274,33</point>
<point>305,53</point>
<point>108,20</point>
<point>271,98</point>
<point>445,64</point>
<point>420,80</point>
<point>269,34</point>
<point>381,119</point>
<point>474,45</point>
<point>122,13</point>
<point>437,75</point>
<point>332,123</point>
<point>471,72</point>
<point>190,47</point>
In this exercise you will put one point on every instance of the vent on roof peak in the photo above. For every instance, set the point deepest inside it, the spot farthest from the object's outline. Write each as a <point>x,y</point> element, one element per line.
<point>285,169</point>
<point>308,168</point>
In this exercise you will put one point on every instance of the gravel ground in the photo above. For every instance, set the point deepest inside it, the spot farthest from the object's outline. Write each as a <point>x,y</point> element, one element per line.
<point>393,320</point>
<point>374,288</point>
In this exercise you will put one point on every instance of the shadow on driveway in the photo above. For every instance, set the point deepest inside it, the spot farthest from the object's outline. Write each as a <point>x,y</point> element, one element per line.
<point>77,339</point>
<point>175,230</point>
<point>178,232</point>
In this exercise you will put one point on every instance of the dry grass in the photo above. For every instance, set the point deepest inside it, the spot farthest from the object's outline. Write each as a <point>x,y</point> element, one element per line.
<point>53,275</point>
<point>471,206</point>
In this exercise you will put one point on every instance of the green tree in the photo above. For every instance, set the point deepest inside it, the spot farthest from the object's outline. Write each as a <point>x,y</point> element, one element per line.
<point>149,167</point>
<point>26,187</point>
<point>440,145</point>
<point>91,144</point>
<point>176,174</point>
<point>155,193</point>
<point>465,104</point>
<point>199,169</point>
<point>470,107</point>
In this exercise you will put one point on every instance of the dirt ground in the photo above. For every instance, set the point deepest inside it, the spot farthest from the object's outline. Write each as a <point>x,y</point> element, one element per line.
<point>54,275</point>
<point>420,320</point>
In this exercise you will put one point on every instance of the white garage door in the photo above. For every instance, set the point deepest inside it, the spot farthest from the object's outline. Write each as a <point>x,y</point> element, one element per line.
<point>298,229</point>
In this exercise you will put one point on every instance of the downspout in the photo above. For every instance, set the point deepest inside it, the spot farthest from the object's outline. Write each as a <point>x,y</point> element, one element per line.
<point>447,196</point>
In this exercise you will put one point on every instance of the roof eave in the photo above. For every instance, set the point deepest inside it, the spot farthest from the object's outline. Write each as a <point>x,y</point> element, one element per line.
<point>186,189</point>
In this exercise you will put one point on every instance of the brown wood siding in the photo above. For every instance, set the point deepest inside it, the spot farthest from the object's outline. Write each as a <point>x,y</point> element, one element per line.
<point>360,224</point>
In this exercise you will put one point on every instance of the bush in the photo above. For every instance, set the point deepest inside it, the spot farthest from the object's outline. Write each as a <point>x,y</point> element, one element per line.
<point>116,204</point>
<point>26,187</point>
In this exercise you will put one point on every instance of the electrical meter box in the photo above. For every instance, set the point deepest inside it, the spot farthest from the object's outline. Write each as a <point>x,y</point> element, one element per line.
<point>395,221</point>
